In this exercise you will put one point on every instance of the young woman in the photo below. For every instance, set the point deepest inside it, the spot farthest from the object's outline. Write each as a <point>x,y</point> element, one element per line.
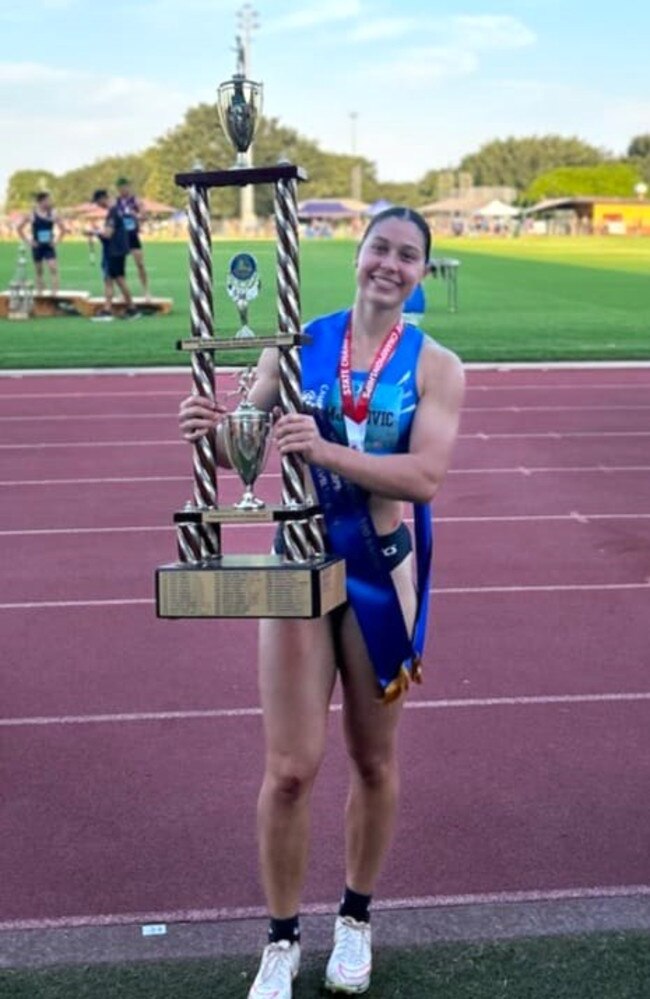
<point>383,404</point>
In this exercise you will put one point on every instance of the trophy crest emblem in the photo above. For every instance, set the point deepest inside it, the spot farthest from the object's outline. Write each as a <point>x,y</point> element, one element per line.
<point>243,285</point>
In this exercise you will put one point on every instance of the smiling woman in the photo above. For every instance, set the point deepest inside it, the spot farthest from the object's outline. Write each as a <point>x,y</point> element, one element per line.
<point>381,413</point>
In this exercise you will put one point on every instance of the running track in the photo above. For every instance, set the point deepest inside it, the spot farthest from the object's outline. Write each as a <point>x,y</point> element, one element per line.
<point>130,747</point>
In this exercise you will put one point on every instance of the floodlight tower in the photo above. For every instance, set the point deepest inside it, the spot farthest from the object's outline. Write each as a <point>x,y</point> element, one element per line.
<point>248,20</point>
<point>356,173</point>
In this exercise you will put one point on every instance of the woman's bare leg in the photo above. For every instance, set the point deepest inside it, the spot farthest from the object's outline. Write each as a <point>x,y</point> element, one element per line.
<point>297,673</point>
<point>370,729</point>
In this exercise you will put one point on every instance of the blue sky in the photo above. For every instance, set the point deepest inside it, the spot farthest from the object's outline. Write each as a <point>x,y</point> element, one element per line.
<point>427,82</point>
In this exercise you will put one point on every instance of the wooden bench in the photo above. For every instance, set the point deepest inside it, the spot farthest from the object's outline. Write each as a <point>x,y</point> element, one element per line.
<point>80,303</point>
<point>146,306</point>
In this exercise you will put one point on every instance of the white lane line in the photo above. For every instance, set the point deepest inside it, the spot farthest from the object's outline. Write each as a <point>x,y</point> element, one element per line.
<point>525,470</point>
<point>541,387</point>
<point>441,591</point>
<point>254,712</point>
<point>152,393</point>
<point>178,393</point>
<point>574,516</point>
<point>83,417</point>
<point>172,414</point>
<point>176,442</point>
<point>550,409</point>
<point>577,893</point>
<point>480,435</point>
<point>535,470</point>
<point>123,480</point>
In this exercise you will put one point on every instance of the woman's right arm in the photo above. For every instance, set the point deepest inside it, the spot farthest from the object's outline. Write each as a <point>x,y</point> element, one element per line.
<point>198,415</point>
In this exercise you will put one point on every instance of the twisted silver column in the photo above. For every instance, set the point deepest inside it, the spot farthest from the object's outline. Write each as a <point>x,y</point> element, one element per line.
<point>204,538</point>
<point>303,539</point>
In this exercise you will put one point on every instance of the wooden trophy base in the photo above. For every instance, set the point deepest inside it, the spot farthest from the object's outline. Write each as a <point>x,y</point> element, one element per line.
<point>250,586</point>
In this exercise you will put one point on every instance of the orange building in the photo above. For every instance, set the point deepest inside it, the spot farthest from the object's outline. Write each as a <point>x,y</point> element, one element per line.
<point>598,215</point>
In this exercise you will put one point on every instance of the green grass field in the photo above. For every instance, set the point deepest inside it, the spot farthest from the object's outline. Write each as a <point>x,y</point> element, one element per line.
<point>519,300</point>
<point>615,966</point>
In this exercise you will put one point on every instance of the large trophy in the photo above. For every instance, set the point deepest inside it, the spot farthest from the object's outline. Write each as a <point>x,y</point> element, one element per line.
<point>206,582</point>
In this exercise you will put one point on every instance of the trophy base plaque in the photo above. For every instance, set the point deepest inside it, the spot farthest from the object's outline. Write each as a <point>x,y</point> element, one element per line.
<point>250,586</point>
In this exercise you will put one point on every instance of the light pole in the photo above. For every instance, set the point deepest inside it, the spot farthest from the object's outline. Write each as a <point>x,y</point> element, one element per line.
<point>355,173</point>
<point>247,21</point>
<point>354,115</point>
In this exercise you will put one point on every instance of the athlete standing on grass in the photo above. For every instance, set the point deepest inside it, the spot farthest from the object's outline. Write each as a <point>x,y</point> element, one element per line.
<point>115,246</point>
<point>383,404</point>
<point>131,210</point>
<point>44,224</point>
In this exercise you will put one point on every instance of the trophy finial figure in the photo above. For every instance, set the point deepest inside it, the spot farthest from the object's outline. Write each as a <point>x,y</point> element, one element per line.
<point>240,66</point>
<point>245,383</point>
<point>239,103</point>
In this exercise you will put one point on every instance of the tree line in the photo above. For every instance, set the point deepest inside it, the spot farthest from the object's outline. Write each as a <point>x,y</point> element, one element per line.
<point>537,167</point>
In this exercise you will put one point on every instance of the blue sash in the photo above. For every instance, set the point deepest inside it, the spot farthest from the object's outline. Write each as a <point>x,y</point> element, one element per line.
<point>395,654</point>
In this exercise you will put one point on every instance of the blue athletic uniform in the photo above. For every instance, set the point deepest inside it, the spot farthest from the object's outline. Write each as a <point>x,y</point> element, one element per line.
<point>43,236</point>
<point>115,248</point>
<point>128,207</point>
<point>394,653</point>
<point>394,399</point>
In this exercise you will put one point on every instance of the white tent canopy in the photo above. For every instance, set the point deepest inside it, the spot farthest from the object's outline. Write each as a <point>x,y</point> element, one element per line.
<point>497,210</point>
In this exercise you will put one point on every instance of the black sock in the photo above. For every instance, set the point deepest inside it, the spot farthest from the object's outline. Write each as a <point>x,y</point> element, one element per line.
<point>284,929</point>
<point>356,905</point>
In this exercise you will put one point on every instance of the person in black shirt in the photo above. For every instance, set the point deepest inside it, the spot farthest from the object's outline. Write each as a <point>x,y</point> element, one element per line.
<point>115,247</point>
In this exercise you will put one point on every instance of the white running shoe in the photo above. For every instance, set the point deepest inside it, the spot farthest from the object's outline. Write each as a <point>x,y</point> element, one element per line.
<point>279,967</point>
<point>350,963</point>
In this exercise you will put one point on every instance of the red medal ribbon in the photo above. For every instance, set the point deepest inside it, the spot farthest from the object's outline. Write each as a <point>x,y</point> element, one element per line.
<point>355,411</point>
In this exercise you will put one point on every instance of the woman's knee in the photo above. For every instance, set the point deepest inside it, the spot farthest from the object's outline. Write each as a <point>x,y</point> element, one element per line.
<point>374,769</point>
<point>289,778</point>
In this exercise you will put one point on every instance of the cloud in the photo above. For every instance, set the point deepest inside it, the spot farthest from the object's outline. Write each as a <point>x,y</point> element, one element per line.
<point>57,119</point>
<point>422,64</point>
<point>382,28</point>
<point>317,14</point>
<point>482,33</point>
<point>33,74</point>
<point>457,44</point>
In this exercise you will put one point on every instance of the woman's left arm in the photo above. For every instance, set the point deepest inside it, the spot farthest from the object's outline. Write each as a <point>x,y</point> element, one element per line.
<point>415,476</point>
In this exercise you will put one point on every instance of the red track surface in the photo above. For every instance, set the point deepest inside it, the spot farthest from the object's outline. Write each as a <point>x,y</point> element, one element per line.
<point>131,747</point>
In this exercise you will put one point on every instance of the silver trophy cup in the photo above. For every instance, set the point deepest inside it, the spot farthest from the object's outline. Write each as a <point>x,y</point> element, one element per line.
<point>246,437</point>
<point>239,102</point>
